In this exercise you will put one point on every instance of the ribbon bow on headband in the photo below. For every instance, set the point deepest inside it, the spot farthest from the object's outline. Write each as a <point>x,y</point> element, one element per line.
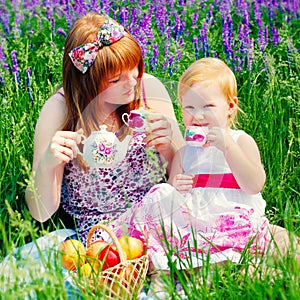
<point>84,55</point>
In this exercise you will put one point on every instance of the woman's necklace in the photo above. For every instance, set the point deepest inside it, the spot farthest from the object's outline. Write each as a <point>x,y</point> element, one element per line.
<point>110,125</point>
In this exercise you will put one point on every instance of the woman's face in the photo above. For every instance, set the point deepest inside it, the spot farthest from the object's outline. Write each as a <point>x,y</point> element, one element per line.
<point>206,105</point>
<point>121,88</point>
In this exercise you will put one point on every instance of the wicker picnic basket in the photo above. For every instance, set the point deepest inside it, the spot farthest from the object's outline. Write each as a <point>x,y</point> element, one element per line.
<point>126,279</point>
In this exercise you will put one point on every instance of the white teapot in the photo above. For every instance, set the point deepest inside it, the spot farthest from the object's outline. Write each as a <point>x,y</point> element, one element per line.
<point>102,149</point>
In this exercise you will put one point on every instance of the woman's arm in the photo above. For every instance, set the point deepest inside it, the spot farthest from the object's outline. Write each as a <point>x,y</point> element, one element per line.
<point>166,133</point>
<point>52,149</point>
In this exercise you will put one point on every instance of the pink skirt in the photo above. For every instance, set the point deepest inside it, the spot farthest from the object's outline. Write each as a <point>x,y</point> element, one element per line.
<point>191,228</point>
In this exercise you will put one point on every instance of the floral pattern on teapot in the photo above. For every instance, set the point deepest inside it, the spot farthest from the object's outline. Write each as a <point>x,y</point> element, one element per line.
<point>104,150</point>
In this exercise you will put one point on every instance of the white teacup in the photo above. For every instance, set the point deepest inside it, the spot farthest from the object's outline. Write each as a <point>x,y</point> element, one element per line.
<point>137,119</point>
<point>196,135</point>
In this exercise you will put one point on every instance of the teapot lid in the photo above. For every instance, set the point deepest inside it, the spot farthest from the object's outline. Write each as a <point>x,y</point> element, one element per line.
<point>103,128</point>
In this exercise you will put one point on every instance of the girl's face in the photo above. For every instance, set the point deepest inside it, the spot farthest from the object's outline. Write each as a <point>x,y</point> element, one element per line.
<point>206,105</point>
<point>121,88</point>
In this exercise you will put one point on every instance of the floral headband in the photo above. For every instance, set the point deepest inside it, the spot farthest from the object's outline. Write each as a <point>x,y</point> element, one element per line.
<point>84,55</point>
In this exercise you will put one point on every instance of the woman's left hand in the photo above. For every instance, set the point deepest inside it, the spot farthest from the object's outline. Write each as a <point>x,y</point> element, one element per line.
<point>158,132</point>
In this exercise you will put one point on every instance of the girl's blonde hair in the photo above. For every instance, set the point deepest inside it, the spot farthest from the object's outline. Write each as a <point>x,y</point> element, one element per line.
<point>211,70</point>
<point>81,90</point>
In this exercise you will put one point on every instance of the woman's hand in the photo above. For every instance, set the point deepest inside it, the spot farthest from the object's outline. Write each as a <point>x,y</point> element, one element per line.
<point>62,148</point>
<point>183,183</point>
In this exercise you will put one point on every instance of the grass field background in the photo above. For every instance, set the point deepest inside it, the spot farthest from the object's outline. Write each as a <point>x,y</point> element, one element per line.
<point>259,40</point>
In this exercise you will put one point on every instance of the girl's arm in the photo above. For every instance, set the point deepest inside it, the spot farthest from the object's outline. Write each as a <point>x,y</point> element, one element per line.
<point>243,158</point>
<point>52,149</point>
<point>182,182</point>
<point>164,134</point>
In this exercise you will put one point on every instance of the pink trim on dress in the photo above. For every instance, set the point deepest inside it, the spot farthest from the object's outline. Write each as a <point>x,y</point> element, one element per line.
<point>216,181</point>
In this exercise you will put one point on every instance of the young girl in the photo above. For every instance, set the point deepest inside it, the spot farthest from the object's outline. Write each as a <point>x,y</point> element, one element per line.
<point>225,176</point>
<point>213,207</point>
<point>214,198</point>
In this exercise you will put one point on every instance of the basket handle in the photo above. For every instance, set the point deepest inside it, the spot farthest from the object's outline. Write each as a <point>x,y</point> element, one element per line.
<point>115,240</point>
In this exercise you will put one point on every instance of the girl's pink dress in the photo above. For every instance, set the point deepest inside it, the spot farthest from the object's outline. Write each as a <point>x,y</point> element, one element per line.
<point>216,221</point>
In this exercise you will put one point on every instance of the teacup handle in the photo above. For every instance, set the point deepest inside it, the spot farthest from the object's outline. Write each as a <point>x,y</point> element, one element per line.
<point>124,117</point>
<point>82,140</point>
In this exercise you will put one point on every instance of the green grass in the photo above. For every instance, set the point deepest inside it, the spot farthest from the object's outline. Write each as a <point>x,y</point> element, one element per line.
<point>269,96</point>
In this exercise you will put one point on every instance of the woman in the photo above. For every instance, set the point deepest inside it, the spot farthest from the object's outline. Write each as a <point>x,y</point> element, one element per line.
<point>103,77</point>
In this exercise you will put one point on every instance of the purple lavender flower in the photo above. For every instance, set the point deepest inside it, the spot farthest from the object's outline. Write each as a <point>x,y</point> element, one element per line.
<point>124,16</point>
<point>153,59</point>
<point>275,34</point>
<point>195,46</point>
<point>204,39</point>
<point>94,7</point>
<point>262,40</point>
<point>3,59</point>
<point>15,66</point>
<point>194,21</point>
<point>2,81</point>
<point>49,12</point>
<point>245,48</point>
<point>161,17</point>
<point>5,20</point>
<point>61,32</point>
<point>133,19</point>
<point>16,28</point>
<point>28,83</point>
<point>177,27</point>
<point>106,6</point>
<point>52,26</point>
<point>170,63</point>
<point>250,53</point>
<point>227,29</point>
<point>146,25</point>
<point>80,7</point>
<point>178,54</point>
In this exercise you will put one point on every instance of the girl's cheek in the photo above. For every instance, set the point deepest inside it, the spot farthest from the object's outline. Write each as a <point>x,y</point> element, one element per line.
<point>187,118</point>
<point>186,121</point>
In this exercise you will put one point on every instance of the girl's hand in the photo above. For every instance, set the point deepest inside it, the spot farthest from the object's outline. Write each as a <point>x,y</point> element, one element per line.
<point>183,182</point>
<point>62,148</point>
<point>218,137</point>
<point>159,132</point>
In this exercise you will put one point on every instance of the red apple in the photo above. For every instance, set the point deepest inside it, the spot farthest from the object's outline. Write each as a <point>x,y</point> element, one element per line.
<point>109,257</point>
<point>103,255</point>
<point>72,254</point>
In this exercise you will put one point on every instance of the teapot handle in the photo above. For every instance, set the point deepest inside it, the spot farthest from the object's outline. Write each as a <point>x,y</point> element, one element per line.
<point>82,140</point>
